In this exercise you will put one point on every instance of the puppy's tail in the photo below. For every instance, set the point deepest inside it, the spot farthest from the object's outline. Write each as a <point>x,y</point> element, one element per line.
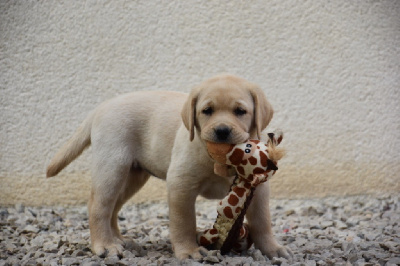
<point>73,148</point>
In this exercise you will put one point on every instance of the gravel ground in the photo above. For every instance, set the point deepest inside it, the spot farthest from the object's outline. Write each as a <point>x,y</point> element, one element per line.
<point>359,230</point>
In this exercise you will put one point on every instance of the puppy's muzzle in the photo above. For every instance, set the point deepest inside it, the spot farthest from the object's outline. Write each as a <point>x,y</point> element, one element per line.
<point>222,133</point>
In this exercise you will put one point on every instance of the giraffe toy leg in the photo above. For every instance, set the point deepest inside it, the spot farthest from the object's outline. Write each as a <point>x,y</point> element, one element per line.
<point>244,240</point>
<point>207,238</point>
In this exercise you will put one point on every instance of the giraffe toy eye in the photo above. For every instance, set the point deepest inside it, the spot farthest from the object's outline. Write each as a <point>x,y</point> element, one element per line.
<point>247,150</point>
<point>248,145</point>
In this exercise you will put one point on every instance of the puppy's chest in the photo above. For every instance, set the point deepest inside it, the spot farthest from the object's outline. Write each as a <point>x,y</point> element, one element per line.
<point>215,187</point>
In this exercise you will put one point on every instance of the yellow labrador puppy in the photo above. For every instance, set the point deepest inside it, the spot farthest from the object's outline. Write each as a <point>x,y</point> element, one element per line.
<point>140,134</point>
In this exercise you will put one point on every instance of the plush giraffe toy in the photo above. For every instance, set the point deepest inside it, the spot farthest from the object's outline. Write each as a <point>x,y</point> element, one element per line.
<point>255,162</point>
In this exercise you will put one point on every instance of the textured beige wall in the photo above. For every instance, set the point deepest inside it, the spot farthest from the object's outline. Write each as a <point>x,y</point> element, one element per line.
<point>331,69</point>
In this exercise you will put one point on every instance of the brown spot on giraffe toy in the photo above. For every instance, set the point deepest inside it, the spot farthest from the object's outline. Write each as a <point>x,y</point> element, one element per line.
<point>255,162</point>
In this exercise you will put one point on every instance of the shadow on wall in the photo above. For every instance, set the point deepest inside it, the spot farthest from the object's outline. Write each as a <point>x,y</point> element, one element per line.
<point>74,189</point>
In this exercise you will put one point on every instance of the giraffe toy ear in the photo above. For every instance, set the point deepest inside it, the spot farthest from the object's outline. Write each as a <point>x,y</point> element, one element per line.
<point>271,165</point>
<point>276,136</point>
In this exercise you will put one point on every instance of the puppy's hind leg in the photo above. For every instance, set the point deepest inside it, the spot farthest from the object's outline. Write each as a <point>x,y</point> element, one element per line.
<point>109,176</point>
<point>135,181</point>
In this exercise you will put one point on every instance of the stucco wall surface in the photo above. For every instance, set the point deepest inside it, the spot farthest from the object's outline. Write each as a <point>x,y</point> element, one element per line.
<point>331,69</point>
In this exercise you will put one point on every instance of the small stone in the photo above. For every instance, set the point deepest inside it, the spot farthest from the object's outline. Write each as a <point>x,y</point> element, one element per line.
<point>278,261</point>
<point>19,208</point>
<point>28,255</point>
<point>70,261</point>
<point>311,263</point>
<point>112,260</point>
<point>91,263</point>
<point>33,212</point>
<point>352,221</point>
<point>340,224</point>
<point>301,241</point>
<point>326,224</point>
<point>389,246</point>
<point>352,258</point>
<point>360,262</point>
<point>23,240</point>
<point>78,253</point>
<point>54,262</point>
<point>219,256</point>
<point>124,262</point>
<point>371,236</point>
<point>290,212</point>
<point>50,247</point>
<point>37,241</point>
<point>211,258</point>
<point>40,261</point>
<point>11,261</point>
<point>132,245</point>
<point>393,261</point>
<point>347,247</point>
<point>39,254</point>
<point>143,261</point>
<point>312,211</point>
<point>234,261</point>
<point>30,262</point>
<point>128,254</point>
<point>257,255</point>
<point>10,247</point>
<point>30,229</point>
<point>315,227</point>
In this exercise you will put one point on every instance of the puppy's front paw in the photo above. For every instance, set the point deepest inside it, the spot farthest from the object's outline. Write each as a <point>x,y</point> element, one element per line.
<point>278,251</point>
<point>112,249</point>
<point>196,253</point>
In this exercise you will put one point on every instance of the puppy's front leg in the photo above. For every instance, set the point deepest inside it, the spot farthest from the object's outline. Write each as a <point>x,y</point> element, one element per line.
<point>182,225</point>
<point>259,219</point>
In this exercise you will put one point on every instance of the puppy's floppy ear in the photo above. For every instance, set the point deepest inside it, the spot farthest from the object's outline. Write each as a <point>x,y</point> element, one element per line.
<point>189,112</point>
<point>263,111</point>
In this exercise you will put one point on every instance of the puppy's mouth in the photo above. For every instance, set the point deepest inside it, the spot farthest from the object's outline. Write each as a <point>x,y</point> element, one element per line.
<point>225,134</point>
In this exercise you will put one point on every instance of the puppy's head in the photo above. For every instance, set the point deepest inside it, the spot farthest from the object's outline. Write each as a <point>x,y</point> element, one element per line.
<point>226,109</point>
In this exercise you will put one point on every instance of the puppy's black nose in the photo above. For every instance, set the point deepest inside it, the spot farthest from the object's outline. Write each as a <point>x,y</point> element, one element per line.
<point>222,133</point>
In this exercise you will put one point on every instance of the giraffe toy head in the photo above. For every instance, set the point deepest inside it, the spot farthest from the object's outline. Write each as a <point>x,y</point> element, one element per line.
<point>251,160</point>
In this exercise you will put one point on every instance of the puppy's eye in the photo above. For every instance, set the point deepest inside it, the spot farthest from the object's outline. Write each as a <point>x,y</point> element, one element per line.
<point>247,150</point>
<point>207,111</point>
<point>248,145</point>
<point>240,111</point>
